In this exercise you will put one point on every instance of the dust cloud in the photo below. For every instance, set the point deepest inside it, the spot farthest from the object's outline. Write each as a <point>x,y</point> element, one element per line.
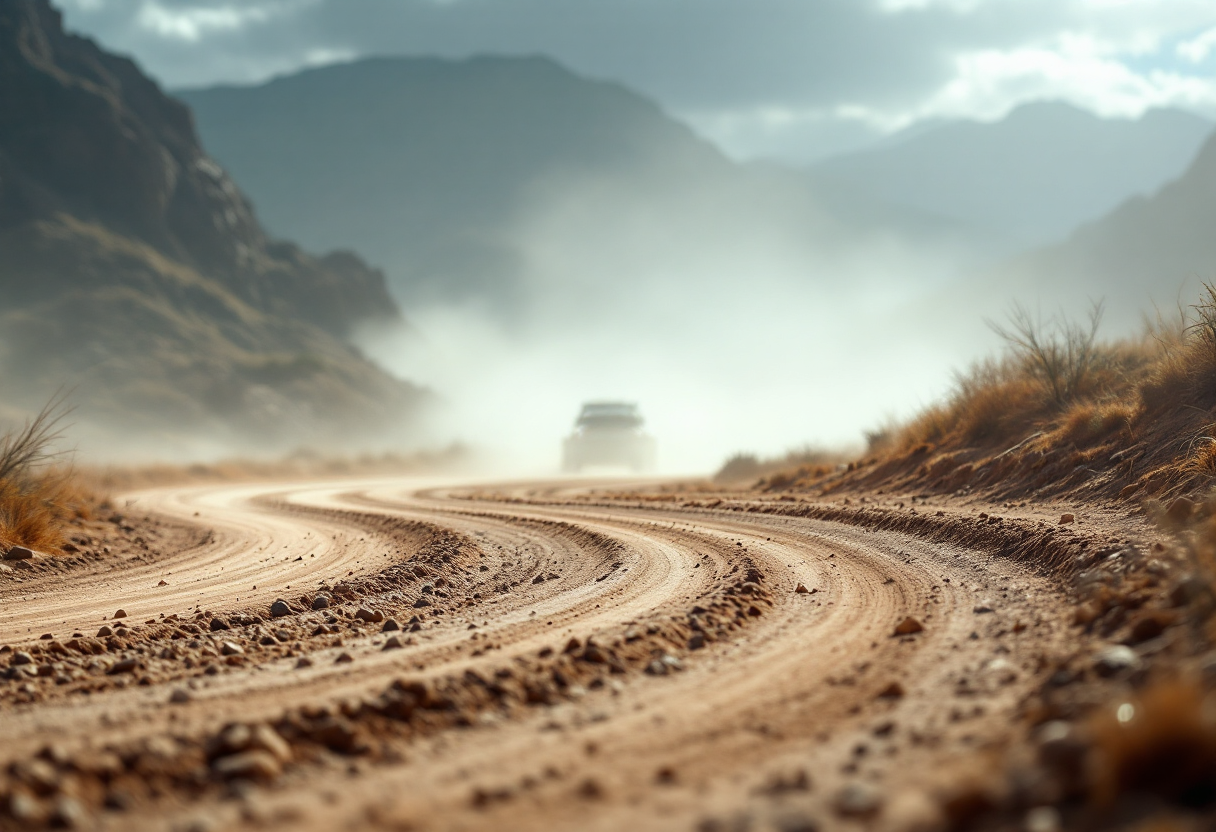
<point>738,318</point>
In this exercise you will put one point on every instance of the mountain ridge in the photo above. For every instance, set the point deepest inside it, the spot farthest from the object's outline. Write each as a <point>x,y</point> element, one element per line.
<point>983,174</point>
<point>122,236</point>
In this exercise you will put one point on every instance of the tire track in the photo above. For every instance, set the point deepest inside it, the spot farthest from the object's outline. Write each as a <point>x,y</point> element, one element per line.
<point>775,693</point>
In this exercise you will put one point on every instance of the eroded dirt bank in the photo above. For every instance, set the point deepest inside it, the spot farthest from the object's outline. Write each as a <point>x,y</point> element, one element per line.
<point>563,656</point>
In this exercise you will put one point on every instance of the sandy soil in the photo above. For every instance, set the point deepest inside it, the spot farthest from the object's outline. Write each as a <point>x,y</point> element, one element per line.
<point>557,659</point>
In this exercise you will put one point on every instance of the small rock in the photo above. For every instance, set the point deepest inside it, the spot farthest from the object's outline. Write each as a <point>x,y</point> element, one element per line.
<point>858,801</point>
<point>163,583</point>
<point>1181,510</point>
<point>421,602</point>
<point>303,661</point>
<point>1115,659</point>
<point>892,691</point>
<point>1188,590</point>
<point>1061,749</point>
<point>104,631</point>
<point>1043,819</point>
<point>47,637</point>
<point>697,641</point>
<point>1065,519</point>
<point>1149,624</point>
<point>129,665</point>
<point>344,658</point>
<point>982,608</point>
<point>25,808</point>
<point>265,738</point>
<point>67,813</point>
<point>179,696</point>
<point>393,643</point>
<point>38,774</point>
<point>218,624</point>
<point>373,616</point>
<point>909,626</point>
<point>21,657</point>
<point>19,553</point>
<point>279,609</point>
<point>248,765</point>
<point>339,735</point>
<point>229,648</point>
<point>320,602</point>
<point>120,614</point>
<point>801,589</point>
<point>590,789</point>
<point>390,626</point>
<point>539,579</point>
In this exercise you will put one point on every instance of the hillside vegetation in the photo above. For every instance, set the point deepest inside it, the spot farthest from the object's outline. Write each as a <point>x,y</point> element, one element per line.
<point>1060,412</point>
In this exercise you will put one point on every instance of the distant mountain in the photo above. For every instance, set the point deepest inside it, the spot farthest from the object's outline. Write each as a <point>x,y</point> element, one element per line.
<point>1145,250</point>
<point>421,164</point>
<point>430,167</point>
<point>133,270</point>
<point>1028,179</point>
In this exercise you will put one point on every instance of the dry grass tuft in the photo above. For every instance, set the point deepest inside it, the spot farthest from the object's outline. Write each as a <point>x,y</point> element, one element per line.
<point>36,499</point>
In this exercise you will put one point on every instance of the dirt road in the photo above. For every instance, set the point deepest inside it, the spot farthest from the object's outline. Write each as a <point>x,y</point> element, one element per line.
<point>560,663</point>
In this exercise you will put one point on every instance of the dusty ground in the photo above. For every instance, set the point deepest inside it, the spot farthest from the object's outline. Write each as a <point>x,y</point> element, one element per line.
<point>533,656</point>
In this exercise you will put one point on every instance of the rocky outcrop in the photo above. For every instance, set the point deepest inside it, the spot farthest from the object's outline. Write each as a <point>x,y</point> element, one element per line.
<point>133,268</point>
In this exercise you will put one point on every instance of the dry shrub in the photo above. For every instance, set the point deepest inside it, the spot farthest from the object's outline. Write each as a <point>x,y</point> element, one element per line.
<point>1185,370</point>
<point>34,514</point>
<point>36,500</point>
<point>992,401</point>
<point>1060,354</point>
<point>1087,422</point>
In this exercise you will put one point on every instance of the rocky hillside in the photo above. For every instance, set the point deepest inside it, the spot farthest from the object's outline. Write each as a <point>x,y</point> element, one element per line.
<point>1150,247</point>
<point>134,270</point>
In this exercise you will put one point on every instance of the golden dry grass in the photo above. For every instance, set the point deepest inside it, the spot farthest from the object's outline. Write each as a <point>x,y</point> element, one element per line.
<point>37,498</point>
<point>1138,415</point>
<point>34,512</point>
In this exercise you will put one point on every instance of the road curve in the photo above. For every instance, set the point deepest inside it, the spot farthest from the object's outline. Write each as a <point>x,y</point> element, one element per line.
<point>584,664</point>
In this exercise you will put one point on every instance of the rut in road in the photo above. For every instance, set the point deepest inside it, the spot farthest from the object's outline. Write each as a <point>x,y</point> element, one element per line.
<point>553,664</point>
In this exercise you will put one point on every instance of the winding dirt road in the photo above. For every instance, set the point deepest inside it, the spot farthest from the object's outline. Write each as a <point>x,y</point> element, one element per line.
<point>561,662</point>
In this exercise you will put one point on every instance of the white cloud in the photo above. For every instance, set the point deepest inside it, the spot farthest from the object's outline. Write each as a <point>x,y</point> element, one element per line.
<point>1077,68</point>
<point>900,6</point>
<point>1196,50</point>
<point>790,79</point>
<point>193,23</point>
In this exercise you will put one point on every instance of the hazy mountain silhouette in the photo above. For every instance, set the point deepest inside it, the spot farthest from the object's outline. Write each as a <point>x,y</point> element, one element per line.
<point>133,267</point>
<point>426,165</point>
<point>1146,249</point>
<point>1028,179</point>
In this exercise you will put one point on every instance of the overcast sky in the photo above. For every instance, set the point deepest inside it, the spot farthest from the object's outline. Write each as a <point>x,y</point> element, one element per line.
<point>787,78</point>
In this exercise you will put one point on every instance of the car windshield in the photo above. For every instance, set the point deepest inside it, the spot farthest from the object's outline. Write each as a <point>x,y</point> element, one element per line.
<point>609,415</point>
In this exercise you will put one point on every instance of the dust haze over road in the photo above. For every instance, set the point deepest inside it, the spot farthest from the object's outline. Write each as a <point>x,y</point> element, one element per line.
<point>733,327</point>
